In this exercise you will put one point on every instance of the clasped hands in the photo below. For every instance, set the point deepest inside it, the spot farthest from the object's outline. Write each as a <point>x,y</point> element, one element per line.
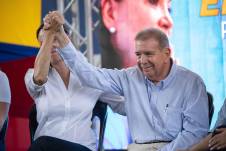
<point>53,21</point>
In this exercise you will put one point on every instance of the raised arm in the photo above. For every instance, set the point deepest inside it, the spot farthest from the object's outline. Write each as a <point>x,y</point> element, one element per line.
<point>104,79</point>
<point>46,37</point>
<point>42,61</point>
<point>37,77</point>
<point>107,80</point>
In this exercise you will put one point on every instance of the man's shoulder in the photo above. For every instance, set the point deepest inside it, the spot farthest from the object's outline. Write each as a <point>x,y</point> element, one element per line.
<point>187,73</point>
<point>134,70</point>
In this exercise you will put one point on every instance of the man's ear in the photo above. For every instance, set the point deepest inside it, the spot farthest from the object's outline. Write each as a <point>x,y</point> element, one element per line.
<point>109,12</point>
<point>167,53</point>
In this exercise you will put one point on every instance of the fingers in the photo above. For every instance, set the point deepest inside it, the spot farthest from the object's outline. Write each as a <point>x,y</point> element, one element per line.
<point>217,142</point>
<point>53,20</point>
<point>213,143</point>
<point>220,129</point>
<point>47,22</point>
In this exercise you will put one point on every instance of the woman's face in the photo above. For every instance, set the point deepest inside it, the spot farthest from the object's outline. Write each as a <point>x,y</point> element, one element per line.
<point>132,16</point>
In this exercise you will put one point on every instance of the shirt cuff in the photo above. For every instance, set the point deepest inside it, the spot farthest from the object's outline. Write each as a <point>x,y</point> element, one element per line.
<point>67,47</point>
<point>33,85</point>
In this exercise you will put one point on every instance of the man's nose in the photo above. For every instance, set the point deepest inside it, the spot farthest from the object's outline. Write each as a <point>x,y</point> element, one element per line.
<point>143,58</point>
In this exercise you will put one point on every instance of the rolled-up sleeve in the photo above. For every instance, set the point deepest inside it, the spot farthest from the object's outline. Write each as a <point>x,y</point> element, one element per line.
<point>33,89</point>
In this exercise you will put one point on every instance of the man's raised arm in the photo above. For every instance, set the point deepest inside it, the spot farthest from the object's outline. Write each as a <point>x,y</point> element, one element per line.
<point>106,80</point>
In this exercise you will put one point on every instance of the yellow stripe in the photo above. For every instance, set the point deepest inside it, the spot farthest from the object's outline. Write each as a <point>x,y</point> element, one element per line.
<point>19,21</point>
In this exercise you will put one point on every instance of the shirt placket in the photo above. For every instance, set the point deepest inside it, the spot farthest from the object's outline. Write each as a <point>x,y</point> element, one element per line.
<point>66,112</point>
<point>153,93</point>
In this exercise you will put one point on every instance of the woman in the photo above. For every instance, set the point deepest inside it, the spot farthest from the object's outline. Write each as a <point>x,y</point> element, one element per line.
<point>5,99</point>
<point>64,106</point>
<point>121,20</point>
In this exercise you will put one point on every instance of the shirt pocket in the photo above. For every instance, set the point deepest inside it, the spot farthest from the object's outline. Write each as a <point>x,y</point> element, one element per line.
<point>173,121</point>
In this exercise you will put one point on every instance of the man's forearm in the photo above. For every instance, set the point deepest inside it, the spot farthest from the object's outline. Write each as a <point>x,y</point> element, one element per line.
<point>62,38</point>
<point>90,75</point>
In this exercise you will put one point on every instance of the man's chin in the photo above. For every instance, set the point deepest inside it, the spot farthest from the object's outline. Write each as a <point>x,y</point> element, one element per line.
<point>145,73</point>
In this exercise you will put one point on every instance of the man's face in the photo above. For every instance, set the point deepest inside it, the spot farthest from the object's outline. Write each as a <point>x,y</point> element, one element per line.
<point>136,15</point>
<point>153,62</point>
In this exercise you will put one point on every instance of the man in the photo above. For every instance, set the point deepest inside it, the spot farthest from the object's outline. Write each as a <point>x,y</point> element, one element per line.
<point>120,21</point>
<point>166,104</point>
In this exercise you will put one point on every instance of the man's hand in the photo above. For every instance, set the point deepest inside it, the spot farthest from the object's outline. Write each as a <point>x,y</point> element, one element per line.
<point>53,21</point>
<point>53,24</point>
<point>219,140</point>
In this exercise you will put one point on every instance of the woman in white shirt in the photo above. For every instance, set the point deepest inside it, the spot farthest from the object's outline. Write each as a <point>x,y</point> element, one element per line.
<point>64,106</point>
<point>5,99</point>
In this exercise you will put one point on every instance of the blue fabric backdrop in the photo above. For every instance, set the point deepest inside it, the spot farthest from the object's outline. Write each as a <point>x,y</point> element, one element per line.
<point>198,45</point>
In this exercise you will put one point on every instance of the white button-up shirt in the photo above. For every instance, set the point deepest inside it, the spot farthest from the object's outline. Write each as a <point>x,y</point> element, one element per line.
<point>65,113</point>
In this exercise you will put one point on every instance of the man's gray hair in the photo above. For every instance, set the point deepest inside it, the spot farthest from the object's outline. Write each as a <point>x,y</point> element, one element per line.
<point>155,34</point>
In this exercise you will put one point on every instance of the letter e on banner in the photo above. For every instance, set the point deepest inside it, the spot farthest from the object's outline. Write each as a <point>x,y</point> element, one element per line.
<point>209,12</point>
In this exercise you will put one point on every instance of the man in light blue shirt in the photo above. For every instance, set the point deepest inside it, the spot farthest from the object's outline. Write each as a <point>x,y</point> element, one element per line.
<point>166,104</point>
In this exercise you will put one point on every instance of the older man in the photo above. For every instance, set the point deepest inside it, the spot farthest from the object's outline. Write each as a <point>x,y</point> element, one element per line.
<point>166,105</point>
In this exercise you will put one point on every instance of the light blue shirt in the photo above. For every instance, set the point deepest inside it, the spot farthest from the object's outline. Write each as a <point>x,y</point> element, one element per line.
<point>176,109</point>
